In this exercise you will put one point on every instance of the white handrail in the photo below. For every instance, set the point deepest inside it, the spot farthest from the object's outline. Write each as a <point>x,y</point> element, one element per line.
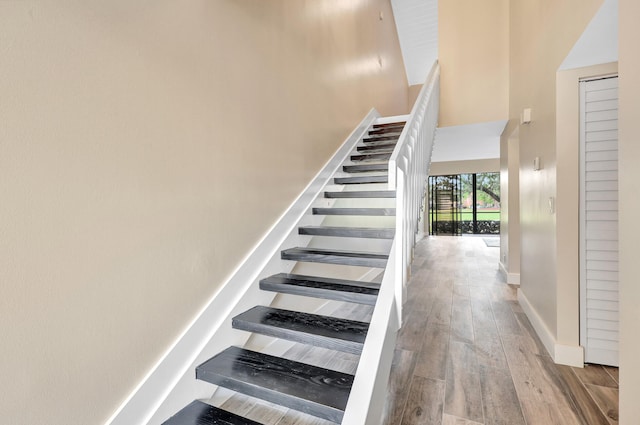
<point>408,173</point>
<point>369,390</point>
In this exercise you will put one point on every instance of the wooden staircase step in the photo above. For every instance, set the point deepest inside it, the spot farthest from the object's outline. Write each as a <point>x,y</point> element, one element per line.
<point>390,124</point>
<point>322,287</point>
<point>355,211</point>
<point>374,139</point>
<point>313,329</point>
<point>375,142</point>
<point>376,151</point>
<point>390,132</point>
<point>361,194</point>
<point>372,156</point>
<point>361,179</point>
<point>365,168</point>
<point>376,146</point>
<point>387,129</point>
<point>348,232</point>
<point>199,413</point>
<point>334,256</point>
<point>314,390</point>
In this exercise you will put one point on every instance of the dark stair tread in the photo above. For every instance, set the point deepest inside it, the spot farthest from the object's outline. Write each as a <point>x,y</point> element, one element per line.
<point>313,329</point>
<point>385,131</point>
<point>348,232</point>
<point>362,179</point>
<point>371,157</point>
<point>199,413</point>
<point>390,124</point>
<point>374,139</point>
<point>335,256</point>
<point>376,146</point>
<point>355,211</point>
<point>364,168</point>
<point>322,287</point>
<point>376,149</point>
<point>314,390</point>
<point>361,194</point>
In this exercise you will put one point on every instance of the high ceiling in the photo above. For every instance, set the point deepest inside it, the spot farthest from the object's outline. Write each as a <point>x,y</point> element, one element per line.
<point>417,24</point>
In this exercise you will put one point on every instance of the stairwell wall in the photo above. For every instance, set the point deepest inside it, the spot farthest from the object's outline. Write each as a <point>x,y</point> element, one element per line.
<point>145,148</point>
<point>473,49</point>
<point>629,103</point>
<point>542,32</point>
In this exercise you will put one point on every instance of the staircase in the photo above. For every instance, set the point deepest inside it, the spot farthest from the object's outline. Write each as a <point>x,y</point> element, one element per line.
<point>299,386</point>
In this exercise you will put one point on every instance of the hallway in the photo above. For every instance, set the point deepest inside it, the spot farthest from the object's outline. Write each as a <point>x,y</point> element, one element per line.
<point>468,355</point>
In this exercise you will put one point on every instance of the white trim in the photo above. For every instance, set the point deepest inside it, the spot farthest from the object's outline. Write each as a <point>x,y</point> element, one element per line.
<point>569,355</point>
<point>395,118</point>
<point>538,324</point>
<point>503,270</point>
<point>582,258</point>
<point>562,354</point>
<point>593,352</point>
<point>510,278</point>
<point>369,390</point>
<point>170,383</point>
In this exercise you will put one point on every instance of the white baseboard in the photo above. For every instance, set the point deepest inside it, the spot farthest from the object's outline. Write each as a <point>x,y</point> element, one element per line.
<point>570,355</point>
<point>560,353</point>
<point>503,270</point>
<point>170,383</point>
<point>544,333</point>
<point>511,278</point>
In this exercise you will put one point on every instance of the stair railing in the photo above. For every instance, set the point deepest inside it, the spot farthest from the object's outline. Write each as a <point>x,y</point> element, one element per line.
<point>408,174</point>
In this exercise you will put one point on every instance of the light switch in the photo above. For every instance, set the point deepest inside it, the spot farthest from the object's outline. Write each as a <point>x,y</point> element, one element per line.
<point>536,164</point>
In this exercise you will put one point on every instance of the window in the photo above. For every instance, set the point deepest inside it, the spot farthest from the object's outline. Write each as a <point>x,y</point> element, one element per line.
<point>464,204</point>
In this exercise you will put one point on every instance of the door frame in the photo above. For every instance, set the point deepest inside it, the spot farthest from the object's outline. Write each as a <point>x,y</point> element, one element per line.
<point>563,342</point>
<point>582,213</point>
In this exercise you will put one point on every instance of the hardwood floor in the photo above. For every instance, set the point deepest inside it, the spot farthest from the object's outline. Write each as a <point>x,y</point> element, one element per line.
<point>468,355</point>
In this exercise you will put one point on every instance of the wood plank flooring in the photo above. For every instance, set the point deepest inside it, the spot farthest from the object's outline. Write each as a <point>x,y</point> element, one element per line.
<point>468,355</point>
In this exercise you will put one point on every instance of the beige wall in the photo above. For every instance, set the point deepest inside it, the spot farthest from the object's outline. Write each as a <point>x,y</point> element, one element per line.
<point>145,147</point>
<point>542,33</point>
<point>473,48</point>
<point>510,202</point>
<point>414,91</point>
<point>461,167</point>
<point>629,69</point>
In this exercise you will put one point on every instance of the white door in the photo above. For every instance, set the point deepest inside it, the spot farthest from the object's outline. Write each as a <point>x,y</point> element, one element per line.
<point>599,220</point>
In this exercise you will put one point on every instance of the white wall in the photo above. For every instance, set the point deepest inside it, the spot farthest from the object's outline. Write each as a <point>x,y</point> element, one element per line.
<point>542,34</point>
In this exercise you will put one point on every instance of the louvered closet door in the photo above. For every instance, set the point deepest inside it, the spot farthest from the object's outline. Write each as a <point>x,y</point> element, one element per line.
<point>599,220</point>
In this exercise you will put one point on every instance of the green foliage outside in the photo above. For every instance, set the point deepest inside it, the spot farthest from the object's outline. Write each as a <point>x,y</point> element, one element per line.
<point>488,189</point>
<point>458,198</point>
